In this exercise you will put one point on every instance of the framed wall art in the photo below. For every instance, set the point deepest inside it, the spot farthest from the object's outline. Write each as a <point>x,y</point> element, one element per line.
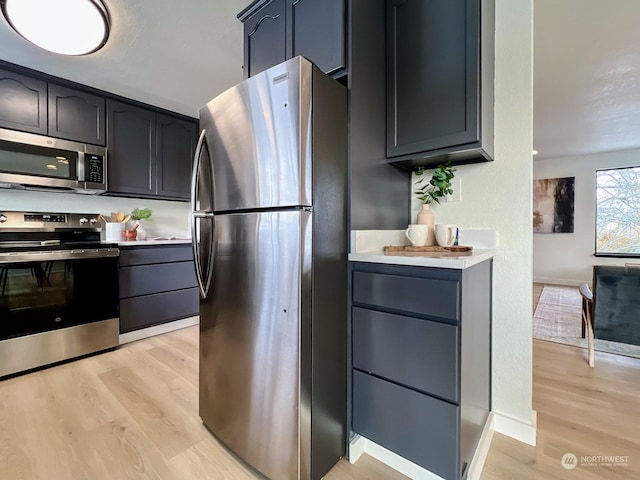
<point>553,205</point>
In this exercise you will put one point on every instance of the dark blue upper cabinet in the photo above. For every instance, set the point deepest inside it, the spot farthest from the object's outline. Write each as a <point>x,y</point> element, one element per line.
<point>131,137</point>
<point>175,146</point>
<point>439,81</point>
<point>316,30</point>
<point>23,103</point>
<point>76,115</point>
<point>277,30</point>
<point>264,37</point>
<point>150,153</point>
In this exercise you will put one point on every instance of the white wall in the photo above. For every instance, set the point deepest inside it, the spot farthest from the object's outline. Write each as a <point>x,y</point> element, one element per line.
<point>498,195</point>
<point>168,218</point>
<point>567,258</point>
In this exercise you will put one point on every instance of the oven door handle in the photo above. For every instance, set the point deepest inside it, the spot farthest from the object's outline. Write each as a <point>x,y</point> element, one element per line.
<point>53,255</point>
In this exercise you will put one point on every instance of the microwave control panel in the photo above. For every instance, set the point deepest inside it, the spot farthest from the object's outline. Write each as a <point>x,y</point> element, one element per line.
<point>94,168</point>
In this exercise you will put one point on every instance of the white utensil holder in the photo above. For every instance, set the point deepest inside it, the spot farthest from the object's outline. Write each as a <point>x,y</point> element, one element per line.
<point>114,231</point>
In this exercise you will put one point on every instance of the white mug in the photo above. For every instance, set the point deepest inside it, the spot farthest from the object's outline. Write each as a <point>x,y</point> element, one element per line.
<point>445,234</point>
<point>417,234</point>
<point>114,231</point>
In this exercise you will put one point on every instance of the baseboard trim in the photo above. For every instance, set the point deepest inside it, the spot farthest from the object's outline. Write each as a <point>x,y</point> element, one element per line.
<point>357,447</point>
<point>360,445</point>
<point>517,429</point>
<point>559,281</point>
<point>158,329</point>
<point>474,470</point>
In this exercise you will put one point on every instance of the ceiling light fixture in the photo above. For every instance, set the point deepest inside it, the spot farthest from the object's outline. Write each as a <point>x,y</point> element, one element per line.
<point>534,152</point>
<point>68,27</point>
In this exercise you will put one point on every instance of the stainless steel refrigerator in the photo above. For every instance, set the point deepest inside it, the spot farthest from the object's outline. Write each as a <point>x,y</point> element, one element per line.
<point>269,227</point>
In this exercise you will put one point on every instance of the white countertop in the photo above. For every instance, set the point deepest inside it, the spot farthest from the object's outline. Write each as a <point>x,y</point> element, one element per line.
<point>455,260</point>
<point>368,246</point>
<point>143,243</point>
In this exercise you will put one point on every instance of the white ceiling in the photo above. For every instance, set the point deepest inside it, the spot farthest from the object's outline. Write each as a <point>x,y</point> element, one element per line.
<point>172,54</point>
<point>180,54</point>
<point>586,76</point>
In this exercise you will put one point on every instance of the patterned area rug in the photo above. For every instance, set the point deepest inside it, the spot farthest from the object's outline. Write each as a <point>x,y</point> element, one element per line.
<point>558,318</point>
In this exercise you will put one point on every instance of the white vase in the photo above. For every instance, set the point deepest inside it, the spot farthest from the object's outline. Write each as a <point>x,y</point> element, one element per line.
<point>425,217</point>
<point>142,233</point>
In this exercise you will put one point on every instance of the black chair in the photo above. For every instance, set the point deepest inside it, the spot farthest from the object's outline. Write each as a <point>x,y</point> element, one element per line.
<point>616,303</point>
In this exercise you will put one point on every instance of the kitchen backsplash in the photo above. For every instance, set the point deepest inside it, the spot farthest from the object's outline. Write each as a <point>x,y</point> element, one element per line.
<point>169,218</point>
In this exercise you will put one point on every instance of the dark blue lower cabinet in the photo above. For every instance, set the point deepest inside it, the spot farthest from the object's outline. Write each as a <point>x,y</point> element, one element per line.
<point>421,361</point>
<point>157,285</point>
<point>154,309</point>
<point>419,354</point>
<point>418,427</point>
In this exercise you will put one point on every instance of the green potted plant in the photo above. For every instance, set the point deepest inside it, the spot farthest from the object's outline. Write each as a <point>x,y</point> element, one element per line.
<point>430,190</point>
<point>438,187</point>
<point>137,215</point>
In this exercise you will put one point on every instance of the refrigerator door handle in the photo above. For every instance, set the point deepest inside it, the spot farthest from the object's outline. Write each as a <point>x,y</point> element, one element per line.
<point>204,281</point>
<point>213,250</point>
<point>195,170</point>
<point>203,278</point>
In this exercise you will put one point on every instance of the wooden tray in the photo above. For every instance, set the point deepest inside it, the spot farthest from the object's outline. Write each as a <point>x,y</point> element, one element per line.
<point>427,248</point>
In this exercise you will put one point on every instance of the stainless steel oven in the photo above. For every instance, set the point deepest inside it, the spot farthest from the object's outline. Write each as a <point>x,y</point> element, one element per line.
<point>58,289</point>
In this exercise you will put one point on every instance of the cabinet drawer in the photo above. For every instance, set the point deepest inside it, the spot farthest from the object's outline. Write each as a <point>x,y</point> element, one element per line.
<point>153,254</point>
<point>413,425</point>
<point>426,296</point>
<point>141,312</point>
<point>414,352</point>
<point>148,279</point>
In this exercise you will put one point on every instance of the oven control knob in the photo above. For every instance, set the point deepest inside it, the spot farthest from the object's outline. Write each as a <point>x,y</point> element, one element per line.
<point>3,218</point>
<point>93,221</point>
<point>83,220</point>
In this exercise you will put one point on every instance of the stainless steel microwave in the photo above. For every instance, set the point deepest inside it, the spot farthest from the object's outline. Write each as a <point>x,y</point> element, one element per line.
<point>29,161</point>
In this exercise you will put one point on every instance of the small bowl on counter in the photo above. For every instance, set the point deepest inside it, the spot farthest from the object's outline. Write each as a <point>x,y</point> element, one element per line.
<point>132,234</point>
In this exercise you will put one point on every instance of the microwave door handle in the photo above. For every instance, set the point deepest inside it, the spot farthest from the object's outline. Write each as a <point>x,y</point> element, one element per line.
<point>80,168</point>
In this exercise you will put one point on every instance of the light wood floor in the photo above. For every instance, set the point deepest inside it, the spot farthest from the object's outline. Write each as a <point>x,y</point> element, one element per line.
<point>581,410</point>
<point>132,414</point>
<point>127,414</point>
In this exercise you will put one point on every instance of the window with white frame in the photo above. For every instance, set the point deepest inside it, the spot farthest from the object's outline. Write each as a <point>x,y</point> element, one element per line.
<point>618,211</point>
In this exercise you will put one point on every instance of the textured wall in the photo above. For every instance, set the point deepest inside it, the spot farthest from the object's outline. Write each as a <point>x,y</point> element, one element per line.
<point>498,195</point>
<point>568,258</point>
<point>169,218</point>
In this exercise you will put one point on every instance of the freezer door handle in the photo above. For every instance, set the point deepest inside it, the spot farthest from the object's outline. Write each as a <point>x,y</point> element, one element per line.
<point>195,170</point>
